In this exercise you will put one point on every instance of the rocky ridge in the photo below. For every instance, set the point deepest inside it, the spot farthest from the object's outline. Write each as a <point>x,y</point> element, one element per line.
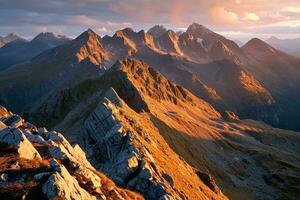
<point>41,164</point>
<point>20,50</point>
<point>110,138</point>
<point>134,115</point>
<point>197,59</point>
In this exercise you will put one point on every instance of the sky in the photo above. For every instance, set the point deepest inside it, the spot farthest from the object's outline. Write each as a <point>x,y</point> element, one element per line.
<point>236,19</point>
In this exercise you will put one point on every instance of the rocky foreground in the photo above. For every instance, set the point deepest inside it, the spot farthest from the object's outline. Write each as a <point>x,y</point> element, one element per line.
<point>40,164</point>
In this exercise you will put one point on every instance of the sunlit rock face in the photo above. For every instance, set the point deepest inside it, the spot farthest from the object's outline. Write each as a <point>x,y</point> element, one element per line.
<point>134,124</point>
<point>38,164</point>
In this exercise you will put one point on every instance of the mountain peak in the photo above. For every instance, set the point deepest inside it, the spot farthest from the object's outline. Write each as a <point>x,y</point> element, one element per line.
<point>13,36</point>
<point>156,31</point>
<point>198,29</point>
<point>9,38</point>
<point>48,36</point>
<point>124,32</point>
<point>150,82</point>
<point>127,30</point>
<point>89,44</point>
<point>88,34</point>
<point>256,43</point>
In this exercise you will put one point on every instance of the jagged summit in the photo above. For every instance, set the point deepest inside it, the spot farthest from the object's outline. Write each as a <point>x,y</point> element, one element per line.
<point>133,80</point>
<point>198,29</point>
<point>13,36</point>
<point>48,36</point>
<point>156,31</point>
<point>9,38</point>
<point>150,82</point>
<point>127,42</point>
<point>86,35</point>
<point>89,45</point>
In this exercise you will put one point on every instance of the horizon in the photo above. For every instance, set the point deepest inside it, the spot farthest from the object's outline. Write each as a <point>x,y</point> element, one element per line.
<point>242,38</point>
<point>234,19</point>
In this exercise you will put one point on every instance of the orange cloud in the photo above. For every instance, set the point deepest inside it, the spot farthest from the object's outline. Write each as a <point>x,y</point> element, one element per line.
<point>222,16</point>
<point>250,16</point>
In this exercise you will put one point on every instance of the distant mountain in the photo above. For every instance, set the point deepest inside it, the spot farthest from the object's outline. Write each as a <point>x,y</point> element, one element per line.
<point>280,74</point>
<point>197,43</point>
<point>251,81</point>
<point>133,116</point>
<point>239,90</point>
<point>20,50</point>
<point>203,45</point>
<point>165,54</point>
<point>55,68</point>
<point>291,46</point>
<point>156,31</point>
<point>9,38</point>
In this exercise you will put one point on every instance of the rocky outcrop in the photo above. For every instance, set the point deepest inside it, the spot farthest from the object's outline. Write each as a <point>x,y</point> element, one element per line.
<point>230,116</point>
<point>47,166</point>
<point>62,185</point>
<point>14,138</point>
<point>111,148</point>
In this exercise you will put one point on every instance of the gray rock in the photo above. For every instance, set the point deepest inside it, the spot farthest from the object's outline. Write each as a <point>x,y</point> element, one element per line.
<point>42,175</point>
<point>61,185</point>
<point>15,138</point>
<point>14,121</point>
<point>111,149</point>
<point>42,130</point>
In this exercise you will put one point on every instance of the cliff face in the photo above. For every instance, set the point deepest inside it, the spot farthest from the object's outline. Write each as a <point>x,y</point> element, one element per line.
<point>41,164</point>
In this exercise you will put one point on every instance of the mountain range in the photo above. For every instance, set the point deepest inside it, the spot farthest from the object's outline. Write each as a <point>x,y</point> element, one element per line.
<point>9,38</point>
<point>18,50</point>
<point>164,115</point>
<point>222,73</point>
<point>290,46</point>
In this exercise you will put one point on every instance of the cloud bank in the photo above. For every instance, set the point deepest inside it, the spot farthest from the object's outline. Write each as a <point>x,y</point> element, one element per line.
<point>252,17</point>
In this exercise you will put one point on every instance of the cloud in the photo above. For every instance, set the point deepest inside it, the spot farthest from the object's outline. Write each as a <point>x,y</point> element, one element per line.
<point>248,16</point>
<point>102,30</point>
<point>74,16</point>
<point>221,16</point>
<point>39,29</point>
<point>292,9</point>
<point>80,20</point>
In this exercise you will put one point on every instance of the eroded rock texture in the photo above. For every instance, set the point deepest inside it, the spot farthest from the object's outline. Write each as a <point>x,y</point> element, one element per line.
<point>40,164</point>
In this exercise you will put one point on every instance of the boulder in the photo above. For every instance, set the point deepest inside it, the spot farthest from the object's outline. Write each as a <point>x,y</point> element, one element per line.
<point>15,138</point>
<point>61,185</point>
<point>14,121</point>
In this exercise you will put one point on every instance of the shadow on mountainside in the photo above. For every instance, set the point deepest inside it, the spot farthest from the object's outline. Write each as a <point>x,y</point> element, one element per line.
<point>256,172</point>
